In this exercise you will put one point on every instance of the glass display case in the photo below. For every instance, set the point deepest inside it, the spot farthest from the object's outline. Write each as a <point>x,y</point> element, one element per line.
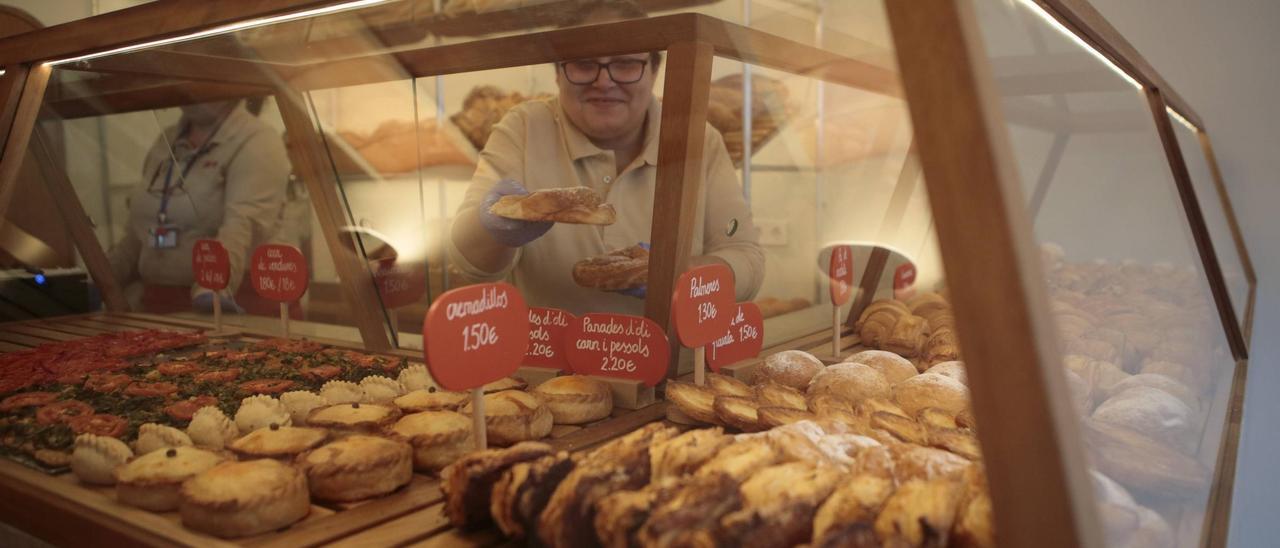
<point>1001,174</point>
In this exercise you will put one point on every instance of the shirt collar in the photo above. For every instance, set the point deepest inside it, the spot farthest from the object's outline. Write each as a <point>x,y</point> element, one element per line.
<point>580,146</point>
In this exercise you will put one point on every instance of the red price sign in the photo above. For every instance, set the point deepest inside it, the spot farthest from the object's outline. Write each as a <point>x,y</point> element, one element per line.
<point>701,304</point>
<point>400,285</point>
<point>904,276</point>
<point>278,272</point>
<point>618,345</point>
<point>211,265</point>
<point>841,272</point>
<point>475,335</point>
<point>547,328</point>
<point>743,341</point>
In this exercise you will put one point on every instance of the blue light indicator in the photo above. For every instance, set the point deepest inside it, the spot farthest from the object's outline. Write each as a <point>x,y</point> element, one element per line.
<point>40,279</point>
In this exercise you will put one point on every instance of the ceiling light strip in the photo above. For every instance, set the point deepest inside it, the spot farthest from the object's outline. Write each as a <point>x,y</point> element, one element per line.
<point>224,29</point>
<point>1055,23</point>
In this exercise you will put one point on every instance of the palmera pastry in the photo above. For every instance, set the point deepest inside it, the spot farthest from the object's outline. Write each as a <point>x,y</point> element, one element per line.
<point>620,269</point>
<point>95,458</point>
<point>430,399</point>
<point>512,416</point>
<point>438,437</point>
<point>576,205</point>
<point>238,499</point>
<point>354,418</point>
<point>740,413</point>
<point>357,467</point>
<point>724,385</point>
<point>794,368</point>
<point>771,394</point>
<point>261,411</point>
<point>154,437</point>
<point>468,482</point>
<point>576,399</point>
<point>153,481</point>
<point>278,442</point>
<point>210,428</point>
<point>697,402</point>
<point>300,403</point>
<point>895,368</point>
<point>773,417</point>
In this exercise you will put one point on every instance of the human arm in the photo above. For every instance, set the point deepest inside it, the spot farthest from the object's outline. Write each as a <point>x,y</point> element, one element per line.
<point>255,182</point>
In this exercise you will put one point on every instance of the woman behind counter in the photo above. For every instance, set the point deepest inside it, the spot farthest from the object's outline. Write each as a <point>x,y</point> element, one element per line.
<point>220,173</point>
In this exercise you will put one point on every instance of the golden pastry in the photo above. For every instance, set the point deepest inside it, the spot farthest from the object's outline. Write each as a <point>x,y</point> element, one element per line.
<point>895,368</point>
<point>357,467</point>
<point>278,442</point>
<point>850,380</point>
<point>239,499</point>
<point>95,458</point>
<point>468,482</point>
<point>926,390</point>
<point>512,416</point>
<point>576,399</point>
<point>737,412</point>
<point>793,368</point>
<point>575,205</point>
<point>697,402</point>
<point>771,394</point>
<point>153,481</point>
<point>354,418</point>
<point>438,437</point>
<point>154,437</point>
<point>431,399</point>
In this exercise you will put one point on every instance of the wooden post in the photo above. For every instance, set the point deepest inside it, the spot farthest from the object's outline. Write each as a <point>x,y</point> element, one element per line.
<point>700,365</point>
<point>1199,231</point>
<point>679,178</point>
<point>991,260</point>
<point>310,158</point>
<point>11,84</point>
<point>1236,234</point>
<point>478,430</point>
<point>908,178</point>
<point>25,115</point>
<point>284,319</point>
<point>78,224</point>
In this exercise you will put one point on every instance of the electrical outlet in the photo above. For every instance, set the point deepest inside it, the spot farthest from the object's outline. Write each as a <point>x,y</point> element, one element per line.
<point>772,232</point>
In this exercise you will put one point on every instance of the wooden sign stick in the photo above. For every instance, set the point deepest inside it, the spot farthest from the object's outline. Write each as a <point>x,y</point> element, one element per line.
<point>699,365</point>
<point>835,330</point>
<point>217,313</point>
<point>477,419</point>
<point>284,318</point>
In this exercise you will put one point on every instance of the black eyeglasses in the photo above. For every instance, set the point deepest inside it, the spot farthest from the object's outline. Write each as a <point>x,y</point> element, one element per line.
<point>621,71</point>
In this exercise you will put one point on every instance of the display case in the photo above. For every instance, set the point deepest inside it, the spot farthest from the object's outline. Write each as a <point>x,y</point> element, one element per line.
<point>1015,167</point>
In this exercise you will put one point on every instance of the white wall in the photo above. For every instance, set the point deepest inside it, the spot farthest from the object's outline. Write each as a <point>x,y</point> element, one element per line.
<point>1219,55</point>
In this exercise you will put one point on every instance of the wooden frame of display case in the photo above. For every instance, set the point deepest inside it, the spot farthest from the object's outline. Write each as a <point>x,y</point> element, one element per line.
<point>1028,436</point>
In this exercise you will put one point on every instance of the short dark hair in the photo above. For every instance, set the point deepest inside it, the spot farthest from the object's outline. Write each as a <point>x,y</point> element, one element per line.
<point>602,11</point>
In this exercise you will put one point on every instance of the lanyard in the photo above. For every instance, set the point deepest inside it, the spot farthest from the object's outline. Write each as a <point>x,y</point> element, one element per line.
<point>186,169</point>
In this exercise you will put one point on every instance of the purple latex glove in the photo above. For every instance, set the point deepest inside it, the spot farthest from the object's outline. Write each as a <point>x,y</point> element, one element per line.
<point>509,232</point>
<point>203,303</point>
<point>637,292</point>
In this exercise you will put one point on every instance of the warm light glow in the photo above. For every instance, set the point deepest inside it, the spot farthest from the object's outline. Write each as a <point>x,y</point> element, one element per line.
<point>1174,114</point>
<point>1055,23</point>
<point>242,25</point>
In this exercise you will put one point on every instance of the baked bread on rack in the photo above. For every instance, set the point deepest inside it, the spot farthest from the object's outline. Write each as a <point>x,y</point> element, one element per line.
<point>153,481</point>
<point>357,467</point>
<point>576,399</point>
<point>575,205</point>
<point>620,269</point>
<point>238,499</point>
<point>438,437</point>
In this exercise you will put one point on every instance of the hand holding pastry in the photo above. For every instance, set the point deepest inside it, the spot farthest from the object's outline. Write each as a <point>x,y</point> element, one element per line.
<point>508,231</point>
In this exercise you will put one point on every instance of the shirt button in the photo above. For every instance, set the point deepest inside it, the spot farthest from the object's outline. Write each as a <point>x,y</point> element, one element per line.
<point>608,179</point>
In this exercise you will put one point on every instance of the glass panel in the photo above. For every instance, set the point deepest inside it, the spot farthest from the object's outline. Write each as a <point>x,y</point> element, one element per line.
<point>1146,357</point>
<point>230,179</point>
<point>1215,216</point>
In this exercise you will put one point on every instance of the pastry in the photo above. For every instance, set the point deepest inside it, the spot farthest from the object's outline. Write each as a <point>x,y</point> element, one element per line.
<point>955,440</point>
<point>941,345</point>
<point>379,389</point>
<point>938,391</point>
<point>354,418</point>
<point>850,380</point>
<point>575,205</point>
<point>907,337</point>
<point>1165,383</point>
<point>779,503</point>
<point>953,369</point>
<point>974,523</point>
<point>416,377</point>
<point>854,502</point>
<point>339,392</point>
<point>919,513</point>
<point>430,399</point>
<point>153,481</point>
<point>438,437</point>
<point>239,499</point>
<point>872,405</point>
<point>357,467</point>
<point>691,516</point>
<point>576,399</point>
<point>877,320</point>
<point>506,383</point>
<point>935,418</point>
<point>259,412</point>
<point>900,427</point>
<point>211,429</point>
<point>620,515</point>
<point>697,402</point>
<point>724,385</point>
<point>895,368</point>
<point>737,412</point>
<point>771,394</point>
<point>682,454</point>
<point>278,442</point>
<point>773,417</point>
<point>926,303</point>
<point>911,461</point>
<point>794,368</point>
<point>95,458</point>
<point>154,437</point>
<point>468,482</point>
<point>521,494</point>
<point>1150,411</point>
<point>620,269</point>
<point>512,416</point>
<point>300,403</point>
<point>1142,463</point>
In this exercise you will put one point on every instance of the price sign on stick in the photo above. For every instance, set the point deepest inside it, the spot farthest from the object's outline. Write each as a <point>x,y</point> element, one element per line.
<point>742,341</point>
<point>841,273</point>
<point>701,306</point>
<point>212,269</point>
<point>279,273</point>
<point>399,285</point>
<point>904,278</point>
<point>618,345</point>
<point>547,337</point>
<point>475,335</point>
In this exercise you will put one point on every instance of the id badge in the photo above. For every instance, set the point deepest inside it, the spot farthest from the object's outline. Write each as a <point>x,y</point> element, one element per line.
<point>164,236</point>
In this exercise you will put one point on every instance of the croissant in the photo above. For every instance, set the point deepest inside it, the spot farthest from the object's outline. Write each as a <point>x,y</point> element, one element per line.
<point>941,346</point>
<point>878,319</point>
<point>908,336</point>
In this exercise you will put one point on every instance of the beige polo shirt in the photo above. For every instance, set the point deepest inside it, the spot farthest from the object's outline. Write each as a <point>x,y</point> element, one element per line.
<point>536,145</point>
<point>234,192</point>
